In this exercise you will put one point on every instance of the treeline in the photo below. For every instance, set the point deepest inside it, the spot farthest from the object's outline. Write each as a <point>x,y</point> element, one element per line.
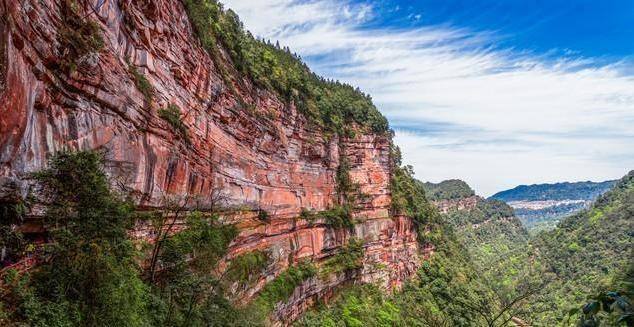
<point>91,272</point>
<point>329,104</point>
<point>557,191</point>
<point>555,273</point>
<point>448,190</point>
<point>446,291</point>
<point>590,254</point>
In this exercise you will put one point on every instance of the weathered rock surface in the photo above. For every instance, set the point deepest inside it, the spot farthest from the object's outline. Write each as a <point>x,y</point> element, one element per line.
<point>447,205</point>
<point>266,157</point>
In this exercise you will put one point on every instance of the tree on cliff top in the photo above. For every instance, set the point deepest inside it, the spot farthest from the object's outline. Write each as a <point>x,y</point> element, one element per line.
<point>332,105</point>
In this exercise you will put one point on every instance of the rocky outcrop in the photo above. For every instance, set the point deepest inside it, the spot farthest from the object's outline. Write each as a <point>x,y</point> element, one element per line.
<point>461,204</point>
<point>260,155</point>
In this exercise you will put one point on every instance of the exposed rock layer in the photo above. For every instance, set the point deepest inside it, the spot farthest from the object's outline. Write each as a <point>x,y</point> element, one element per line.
<point>264,157</point>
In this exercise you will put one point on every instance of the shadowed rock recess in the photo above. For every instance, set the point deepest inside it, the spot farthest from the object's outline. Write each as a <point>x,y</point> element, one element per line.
<point>233,136</point>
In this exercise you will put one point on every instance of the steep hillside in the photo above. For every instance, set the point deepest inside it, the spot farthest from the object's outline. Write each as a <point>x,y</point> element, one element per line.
<point>557,191</point>
<point>189,108</point>
<point>494,238</point>
<point>448,289</point>
<point>448,190</point>
<point>588,252</point>
<point>541,206</point>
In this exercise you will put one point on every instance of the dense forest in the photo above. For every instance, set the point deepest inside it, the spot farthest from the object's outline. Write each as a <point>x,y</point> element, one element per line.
<point>484,270</point>
<point>331,105</point>
<point>557,191</point>
<point>555,272</point>
<point>589,252</point>
<point>447,190</point>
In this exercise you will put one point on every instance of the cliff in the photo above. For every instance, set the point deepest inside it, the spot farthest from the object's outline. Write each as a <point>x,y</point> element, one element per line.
<point>235,137</point>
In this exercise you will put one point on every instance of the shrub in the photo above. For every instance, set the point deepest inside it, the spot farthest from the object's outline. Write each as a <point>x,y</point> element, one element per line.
<point>282,287</point>
<point>331,105</point>
<point>172,115</point>
<point>263,215</point>
<point>77,36</point>
<point>349,257</point>
<point>245,267</point>
<point>338,217</point>
<point>142,84</point>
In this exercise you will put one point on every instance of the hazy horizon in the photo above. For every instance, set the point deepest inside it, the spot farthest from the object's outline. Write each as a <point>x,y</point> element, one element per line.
<point>497,94</point>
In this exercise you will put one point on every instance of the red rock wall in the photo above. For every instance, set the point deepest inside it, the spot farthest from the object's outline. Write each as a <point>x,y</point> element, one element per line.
<point>266,157</point>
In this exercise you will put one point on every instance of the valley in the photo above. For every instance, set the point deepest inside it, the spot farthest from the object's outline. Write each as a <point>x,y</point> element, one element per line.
<point>542,206</point>
<point>162,166</point>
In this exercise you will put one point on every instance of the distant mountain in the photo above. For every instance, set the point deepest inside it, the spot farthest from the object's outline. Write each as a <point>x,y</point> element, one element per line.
<point>541,206</point>
<point>587,252</point>
<point>557,192</point>
<point>447,190</point>
<point>488,229</point>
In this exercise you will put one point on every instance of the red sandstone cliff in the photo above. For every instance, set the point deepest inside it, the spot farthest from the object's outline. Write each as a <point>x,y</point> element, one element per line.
<point>267,158</point>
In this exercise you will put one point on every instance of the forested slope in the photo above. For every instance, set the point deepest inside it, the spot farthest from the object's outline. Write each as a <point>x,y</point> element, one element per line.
<point>588,252</point>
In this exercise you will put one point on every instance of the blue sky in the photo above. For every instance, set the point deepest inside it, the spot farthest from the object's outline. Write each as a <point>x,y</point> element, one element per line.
<point>497,93</point>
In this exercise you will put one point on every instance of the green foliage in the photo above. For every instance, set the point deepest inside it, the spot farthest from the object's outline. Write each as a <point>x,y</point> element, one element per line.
<point>362,305</point>
<point>172,115</point>
<point>89,275</point>
<point>447,190</point>
<point>331,105</point>
<point>497,244</point>
<point>147,90</point>
<point>581,256</point>
<point>11,239</point>
<point>245,267</point>
<point>612,308</point>
<point>282,287</point>
<point>186,292</point>
<point>338,217</point>
<point>263,215</point>
<point>77,36</point>
<point>557,191</point>
<point>437,297</point>
<point>349,257</point>
<point>345,187</point>
<point>408,194</point>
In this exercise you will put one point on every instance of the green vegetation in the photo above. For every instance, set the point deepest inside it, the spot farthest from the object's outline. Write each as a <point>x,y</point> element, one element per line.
<point>172,114</point>
<point>338,217</point>
<point>245,267</point>
<point>497,244</point>
<point>408,194</point>
<point>77,36</point>
<point>349,257</point>
<point>557,191</point>
<point>448,190</point>
<point>331,105</point>
<point>587,253</point>
<point>282,287</point>
<point>89,274</point>
<point>446,292</point>
<point>145,87</point>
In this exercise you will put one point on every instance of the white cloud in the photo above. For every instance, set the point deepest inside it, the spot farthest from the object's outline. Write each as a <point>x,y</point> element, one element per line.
<point>503,116</point>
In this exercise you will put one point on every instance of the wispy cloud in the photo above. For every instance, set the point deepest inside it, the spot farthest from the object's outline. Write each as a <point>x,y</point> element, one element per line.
<point>462,107</point>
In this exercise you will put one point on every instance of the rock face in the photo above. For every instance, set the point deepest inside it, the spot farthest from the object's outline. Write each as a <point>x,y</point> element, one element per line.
<point>462,204</point>
<point>263,157</point>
